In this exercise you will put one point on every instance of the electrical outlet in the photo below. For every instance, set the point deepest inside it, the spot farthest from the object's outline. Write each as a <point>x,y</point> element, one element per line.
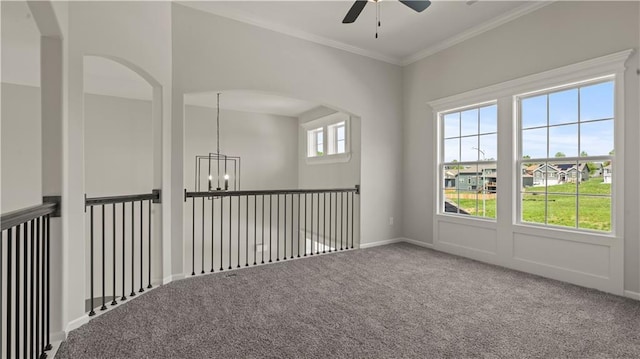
<point>262,248</point>
<point>391,221</point>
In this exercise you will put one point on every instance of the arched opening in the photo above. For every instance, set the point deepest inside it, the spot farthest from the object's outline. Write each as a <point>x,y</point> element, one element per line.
<point>122,160</point>
<point>271,135</point>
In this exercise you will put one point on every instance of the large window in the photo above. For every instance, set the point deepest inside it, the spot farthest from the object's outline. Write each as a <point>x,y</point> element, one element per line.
<point>566,156</point>
<point>468,162</point>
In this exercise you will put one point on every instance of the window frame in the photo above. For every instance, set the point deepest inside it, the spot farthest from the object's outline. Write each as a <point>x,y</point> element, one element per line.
<point>441,163</point>
<point>325,124</point>
<point>518,147</point>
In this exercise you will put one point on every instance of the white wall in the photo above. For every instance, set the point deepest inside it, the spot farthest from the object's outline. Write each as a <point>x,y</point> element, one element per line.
<point>118,146</point>
<point>21,148</point>
<point>328,175</point>
<point>559,34</point>
<point>267,145</point>
<point>215,53</point>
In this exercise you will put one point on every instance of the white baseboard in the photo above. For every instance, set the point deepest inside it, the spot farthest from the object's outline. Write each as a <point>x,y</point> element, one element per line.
<point>396,240</point>
<point>381,243</point>
<point>632,295</point>
<point>57,336</point>
<point>418,243</point>
<point>171,278</point>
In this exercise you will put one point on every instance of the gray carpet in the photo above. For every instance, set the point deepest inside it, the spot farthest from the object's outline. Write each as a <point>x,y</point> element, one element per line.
<point>386,302</point>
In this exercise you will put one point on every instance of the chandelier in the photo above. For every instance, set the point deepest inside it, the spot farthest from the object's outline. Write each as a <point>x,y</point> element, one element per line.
<point>223,171</point>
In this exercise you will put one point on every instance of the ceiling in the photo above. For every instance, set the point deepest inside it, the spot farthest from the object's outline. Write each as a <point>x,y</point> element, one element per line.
<point>405,35</point>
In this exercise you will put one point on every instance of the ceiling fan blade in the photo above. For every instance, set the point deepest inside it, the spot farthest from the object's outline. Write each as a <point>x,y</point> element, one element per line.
<point>355,11</point>
<point>417,5</point>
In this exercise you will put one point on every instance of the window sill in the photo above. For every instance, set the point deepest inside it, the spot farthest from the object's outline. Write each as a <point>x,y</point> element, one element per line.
<point>328,159</point>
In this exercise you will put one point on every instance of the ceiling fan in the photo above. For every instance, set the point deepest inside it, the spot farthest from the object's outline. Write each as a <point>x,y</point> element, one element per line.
<point>358,6</point>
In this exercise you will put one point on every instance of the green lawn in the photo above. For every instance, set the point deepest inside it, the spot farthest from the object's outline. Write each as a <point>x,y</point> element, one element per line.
<point>593,212</point>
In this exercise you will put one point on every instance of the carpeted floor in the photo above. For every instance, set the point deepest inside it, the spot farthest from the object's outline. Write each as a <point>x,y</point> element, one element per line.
<point>385,302</point>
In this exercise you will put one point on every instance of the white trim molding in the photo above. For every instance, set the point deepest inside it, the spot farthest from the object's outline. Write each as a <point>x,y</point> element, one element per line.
<point>632,295</point>
<point>171,278</point>
<point>396,240</point>
<point>394,60</point>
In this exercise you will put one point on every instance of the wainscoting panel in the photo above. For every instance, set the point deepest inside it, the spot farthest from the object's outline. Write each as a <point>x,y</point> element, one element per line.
<point>466,240</point>
<point>580,258</point>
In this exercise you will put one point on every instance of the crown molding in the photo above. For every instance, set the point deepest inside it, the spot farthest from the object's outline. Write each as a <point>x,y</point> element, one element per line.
<point>297,34</point>
<point>475,31</point>
<point>442,45</point>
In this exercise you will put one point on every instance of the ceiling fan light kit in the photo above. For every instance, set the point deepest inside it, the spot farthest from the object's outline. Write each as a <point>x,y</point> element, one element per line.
<point>358,6</point>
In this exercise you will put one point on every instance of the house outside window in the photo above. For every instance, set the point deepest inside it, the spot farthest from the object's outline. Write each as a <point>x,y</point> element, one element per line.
<point>469,154</point>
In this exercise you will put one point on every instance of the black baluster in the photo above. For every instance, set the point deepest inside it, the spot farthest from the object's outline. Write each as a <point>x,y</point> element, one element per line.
<point>255,228</point>
<point>305,225</point>
<point>336,224</point>
<point>262,240</point>
<point>341,218</point>
<point>202,249</point>
<point>133,249</point>
<point>25,288</point>
<point>113,302</point>
<point>38,287</point>
<point>318,225</point>
<point>221,228</point>
<point>298,225</point>
<point>193,236</point>
<point>324,222</point>
<point>353,209</point>
<point>142,247</point>
<point>104,307</point>
<point>246,232</point>
<point>124,297</point>
<point>32,286</point>
<point>292,226</point>
<point>1,287</point>
<point>42,294</point>
<point>330,218</point>
<point>9,287</point>
<point>278,229</point>
<point>17,315</point>
<point>285,227</point>
<point>149,285</point>
<point>213,200</point>
<point>47,318</point>
<point>238,249</point>
<point>270,226</point>
<point>311,224</point>
<point>347,225</point>
<point>91,313</point>
<point>230,228</point>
